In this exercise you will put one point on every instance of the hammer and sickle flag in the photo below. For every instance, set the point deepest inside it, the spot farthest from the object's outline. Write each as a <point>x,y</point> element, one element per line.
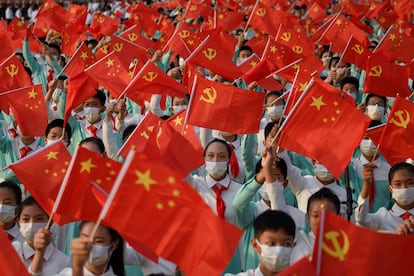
<point>399,127</point>
<point>342,249</point>
<point>224,107</point>
<point>13,75</point>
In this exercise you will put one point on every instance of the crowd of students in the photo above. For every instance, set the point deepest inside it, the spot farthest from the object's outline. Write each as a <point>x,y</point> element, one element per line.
<point>274,195</point>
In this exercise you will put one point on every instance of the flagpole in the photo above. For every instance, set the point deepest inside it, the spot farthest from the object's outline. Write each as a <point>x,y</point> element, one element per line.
<point>346,48</point>
<point>133,80</point>
<point>329,27</point>
<point>172,36</point>
<point>62,187</point>
<point>250,16</point>
<point>189,104</point>
<point>66,65</point>
<point>293,110</point>
<point>289,97</point>
<point>113,192</point>
<point>283,68</point>
<point>14,90</point>
<point>382,40</point>
<point>197,49</point>
<point>320,241</point>
<point>265,48</point>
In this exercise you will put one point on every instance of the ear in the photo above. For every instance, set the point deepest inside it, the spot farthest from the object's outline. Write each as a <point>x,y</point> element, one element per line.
<point>255,246</point>
<point>389,187</point>
<point>103,108</point>
<point>114,245</point>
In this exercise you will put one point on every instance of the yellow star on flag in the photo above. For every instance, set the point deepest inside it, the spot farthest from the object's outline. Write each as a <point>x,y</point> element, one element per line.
<point>253,63</point>
<point>171,180</point>
<point>178,121</point>
<point>87,165</point>
<point>145,179</point>
<point>84,55</point>
<point>302,86</point>
<point>32,94</point>
<point>110,62</point>
<point>317,102</point>
<point>52,155</point>
<point>273,49</point>
<point>392,36</point>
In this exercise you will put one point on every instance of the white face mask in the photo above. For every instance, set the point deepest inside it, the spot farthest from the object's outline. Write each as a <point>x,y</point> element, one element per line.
<point>216,169</point>
<point>275,111</point>
<point>56,94</point>
<point>368,147</point>
<point>7,213</point>
<point>92,113</point>
<point>404,196</point>
<point>242,60</point>
<point>28,230</point>
<point>263,193</point>
<point>99,255</point>
<point>275,258</point>
<point>323,173</point>
<point>178,108</point>
<point>375,112</point>
<point>353,95</point>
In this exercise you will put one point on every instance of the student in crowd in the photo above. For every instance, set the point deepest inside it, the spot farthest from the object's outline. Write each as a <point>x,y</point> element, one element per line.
<point>54,132</point>
<point>273,243</point>
<point>375,107</point>
<point>10,200</point>
<point>401,185</point>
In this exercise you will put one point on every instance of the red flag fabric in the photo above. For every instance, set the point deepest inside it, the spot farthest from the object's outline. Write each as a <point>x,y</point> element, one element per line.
<point>90,180</point>
<point>396,45</point>
<point>29,109</point>
<point>152,80</point>
<point>303,267</point>
<point>357,52</point>
<point>51,16</point>
<point>111,73</point>
<point>13,75</point>
<point>76,14</point>
<point>322,120</point>
<point>185,232</point>
<point>11,262</point>
<point>69,42</point>
<point>140,136</point>
<point>126,51</point>
<point>228,20</point>
<point>102,24</point>
<point>260,71</point>
<point>133,34</point>
<point>225,107</point>
<point>82,59</point>
<point>50,163</point>
<point>399,127</point>
<point>17,31</point>
<point>185,40</point>
<point>7,48</point>
<point>343,251</point>
<point>386,78</point>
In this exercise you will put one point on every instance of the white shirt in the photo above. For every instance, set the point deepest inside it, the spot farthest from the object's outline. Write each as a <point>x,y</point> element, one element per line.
<point>54,260</point>
<point>15,232</point>
<point>204,186</point>
<point>251,272</point>
<point>380,172</point>
<point>85,124</point>
<point>68,272</point>
<point>303,246</point>
<point>383,219</point>
<point>18,144</point>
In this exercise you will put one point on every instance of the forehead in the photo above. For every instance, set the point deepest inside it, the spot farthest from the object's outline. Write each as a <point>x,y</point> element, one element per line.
<point>375,100</point>
<point>6,193</point>
<point>216,147</point>
<point>32,210</point>
<point>102,232</point>
<point>91,146</point>
<point>93,100</point>
<point>402,174</point>
<point>317,205</point>
<point>275,235</point>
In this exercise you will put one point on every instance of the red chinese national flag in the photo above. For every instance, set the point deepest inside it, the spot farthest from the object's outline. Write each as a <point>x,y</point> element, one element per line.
<point>386,78</point>
<point>322,120</point>
<point>11,262</point>
<point>81,59</point>
<point>344,252</point>
<point>76,14</point>
<point>69,42</point>
<point>17,31</point>
<point>262,70</point>
<point>152,80</point>
<point>29,109</point>
<point>91,177</point>
<point>396,45</point>
<point>7,48</point>
<point>13,75</point>
<point>225,107</point>
<point>104,25</point>
<point>111,73</point>
<point>140,136</point>
<point>399,127</point>
<point>51,16</point>
<point>185,40</point>
<point>50,164</point>
<point>176,224</point>
<point>228,20</point>
<point>264,18</point>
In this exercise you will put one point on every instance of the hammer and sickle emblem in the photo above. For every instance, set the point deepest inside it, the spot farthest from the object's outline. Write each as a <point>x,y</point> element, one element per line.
<point>210,95</point>
<point>285,36</point>
<point>118,47</point>
<point>184,34</point>
<point>210,53</point>
<point>357,49</point>
<point>376,71</point>
<point>399,120</point>
<point>145,134</point>
<point>193,7</point>
<point>261,12</point>
<point>297,49</point>
<point>150,76</point>
<point>100,20</point>
<point>12,70</point>
<point>337,251</point>
<point>132,37</point>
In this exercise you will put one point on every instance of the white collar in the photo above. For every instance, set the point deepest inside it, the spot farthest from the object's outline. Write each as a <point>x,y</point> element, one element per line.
<point>33,145</point>
<point>378,162</point>
<point>224,182</point>
<point>98,125</point>
<point>14,231</point>
<point>398,211</point>
<point>28,251</point>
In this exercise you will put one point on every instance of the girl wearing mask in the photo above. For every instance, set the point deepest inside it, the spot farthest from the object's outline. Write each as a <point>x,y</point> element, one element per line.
<point>10,198</point>
<point>102,256</point>
<point>38,254</point>
<point>401,186</point>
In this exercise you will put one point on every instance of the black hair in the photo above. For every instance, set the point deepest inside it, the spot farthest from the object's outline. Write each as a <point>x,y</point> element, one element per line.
<point>374,123</point>
<point>274,220</point>
<point>59,123</point>
<point>128,130</point>
<point>324,194</point>
<point>374,95</point>
<point>281,165</point>
<point>332,61</point>
<point>325,49</point>
<point>186,96</point>
<point>100,95</point>
<point>273,93</point>
<point>56,47</point>
<point>14,188</point>
<point>92,42</point>
<point>116,262</point>
<point>216,140</point>
<point>268,128</point>
<point>351,80</point>
<point>399,166</point>
<point>96,141</point>
<point>29,201</point>
<point>245,48</point>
